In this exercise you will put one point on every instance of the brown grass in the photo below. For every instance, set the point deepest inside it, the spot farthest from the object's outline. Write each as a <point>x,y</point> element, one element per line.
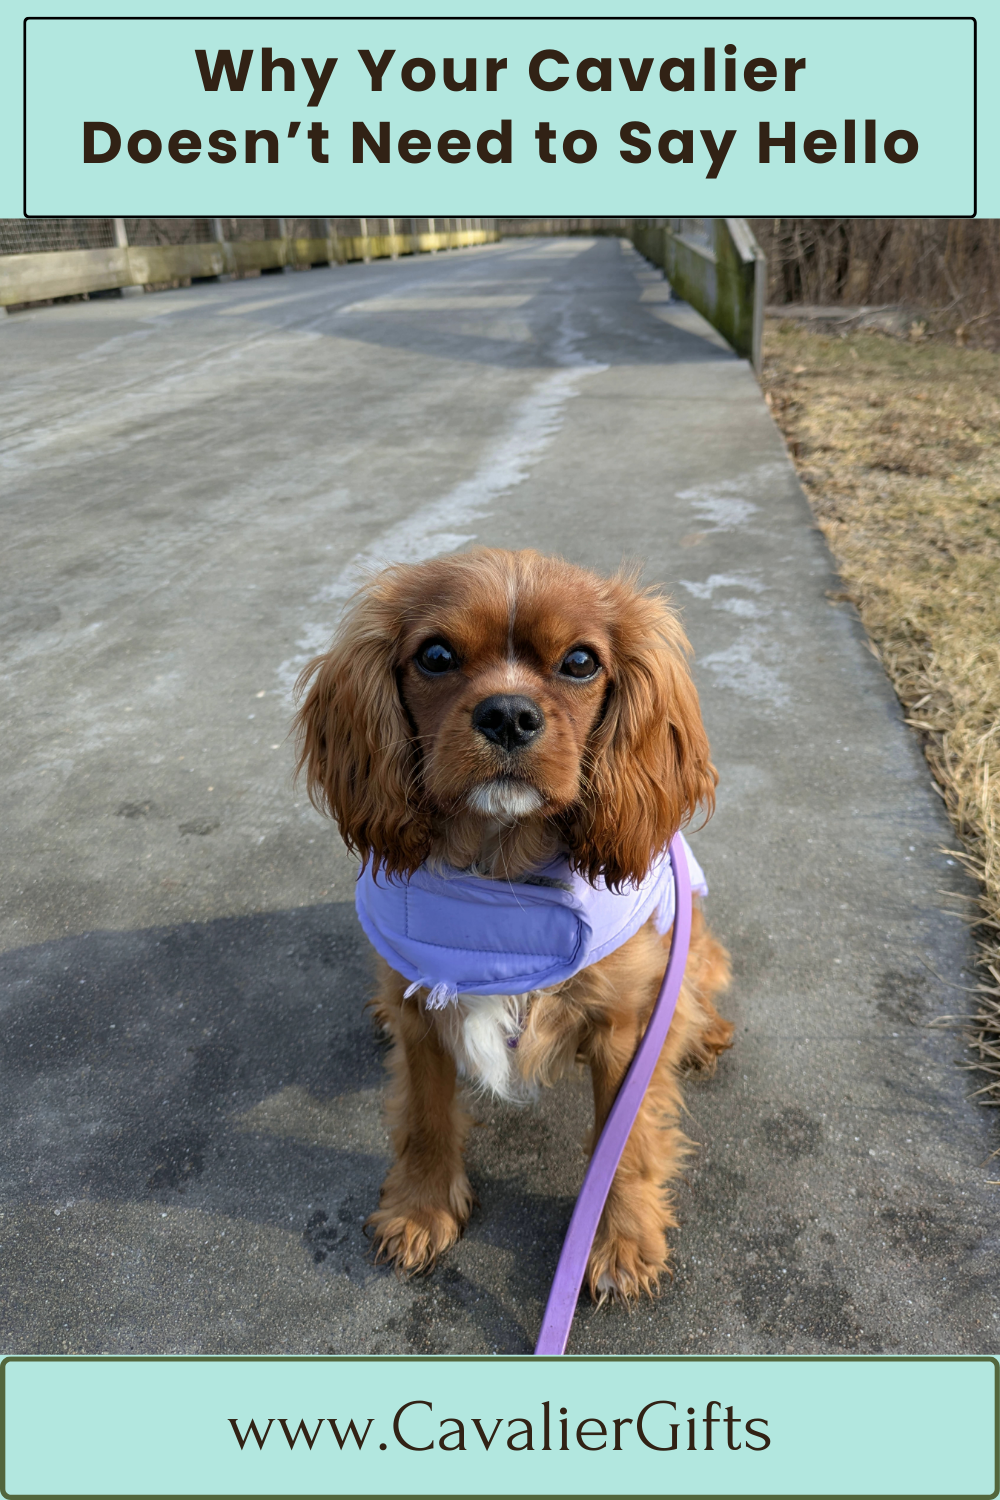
<point>898,447</point>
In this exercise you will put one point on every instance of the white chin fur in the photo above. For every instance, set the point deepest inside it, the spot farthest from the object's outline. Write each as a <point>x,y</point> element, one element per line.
<point>505,800</point>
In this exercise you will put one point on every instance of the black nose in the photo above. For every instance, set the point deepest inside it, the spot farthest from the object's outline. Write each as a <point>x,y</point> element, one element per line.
<point>508,720</point>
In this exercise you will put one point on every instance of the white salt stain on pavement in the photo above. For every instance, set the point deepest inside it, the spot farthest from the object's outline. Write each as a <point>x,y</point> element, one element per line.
<point>749,609</point>
<point>750,667</point>
<point>726,503</point>
<point>715,581</point>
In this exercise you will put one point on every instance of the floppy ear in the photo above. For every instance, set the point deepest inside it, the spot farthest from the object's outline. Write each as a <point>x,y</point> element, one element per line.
<point>647,769</point>
<point>356,744</point>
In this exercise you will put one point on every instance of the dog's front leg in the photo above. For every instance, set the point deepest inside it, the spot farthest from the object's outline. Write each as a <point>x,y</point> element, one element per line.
<point>426,1199</point>
<point>630,1251</point>
<point>630,1248</point>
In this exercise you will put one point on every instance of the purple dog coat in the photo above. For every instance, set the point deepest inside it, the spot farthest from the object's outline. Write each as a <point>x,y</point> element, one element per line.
<point>452,933</point>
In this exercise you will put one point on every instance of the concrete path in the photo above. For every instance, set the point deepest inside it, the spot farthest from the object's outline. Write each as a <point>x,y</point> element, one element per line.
<point>191,1091</point>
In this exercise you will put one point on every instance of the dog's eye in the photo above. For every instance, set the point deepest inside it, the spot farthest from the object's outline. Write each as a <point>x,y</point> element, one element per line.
<point>436,658</point>
<point>579,663</point>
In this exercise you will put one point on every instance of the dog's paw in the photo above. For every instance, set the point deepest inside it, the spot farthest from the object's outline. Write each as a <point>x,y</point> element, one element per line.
<point>621,1270</point>
<point>719,1036</point>
<point>411,1240</point>
<point>704,1053</point>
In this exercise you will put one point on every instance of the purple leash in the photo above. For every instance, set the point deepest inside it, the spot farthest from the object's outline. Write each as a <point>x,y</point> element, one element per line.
<point>568,1279</point>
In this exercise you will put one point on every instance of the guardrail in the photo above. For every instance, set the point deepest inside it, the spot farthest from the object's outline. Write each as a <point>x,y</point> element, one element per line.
<point>46,274</point>
<point>717,266</point>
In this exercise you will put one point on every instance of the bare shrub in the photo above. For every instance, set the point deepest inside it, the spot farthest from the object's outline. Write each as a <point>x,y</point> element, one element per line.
<point>947,268</point>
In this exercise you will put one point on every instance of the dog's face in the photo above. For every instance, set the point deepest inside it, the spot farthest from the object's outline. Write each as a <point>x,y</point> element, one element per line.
<point>504,695</point>
<point>506,688</point>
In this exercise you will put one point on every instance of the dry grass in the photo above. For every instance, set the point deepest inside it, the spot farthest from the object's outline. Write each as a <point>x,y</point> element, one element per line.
<point>898,446</point>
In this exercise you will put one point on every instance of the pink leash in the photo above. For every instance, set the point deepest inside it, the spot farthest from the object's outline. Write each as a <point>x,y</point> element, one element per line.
<point>568,1279</point>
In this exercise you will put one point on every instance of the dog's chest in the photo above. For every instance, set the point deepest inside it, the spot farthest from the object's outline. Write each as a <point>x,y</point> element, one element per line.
<point>482,1033</point>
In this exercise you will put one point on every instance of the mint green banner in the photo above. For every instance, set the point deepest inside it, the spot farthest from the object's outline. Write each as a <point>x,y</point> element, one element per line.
<point>500,1426</point>
<point>500,116</point>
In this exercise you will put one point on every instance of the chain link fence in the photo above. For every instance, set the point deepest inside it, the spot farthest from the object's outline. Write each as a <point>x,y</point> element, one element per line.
<point>31,236</point>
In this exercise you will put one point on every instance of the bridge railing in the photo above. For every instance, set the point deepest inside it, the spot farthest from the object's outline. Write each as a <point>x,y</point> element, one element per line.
<point>717,266</point>
<point>41,260</point>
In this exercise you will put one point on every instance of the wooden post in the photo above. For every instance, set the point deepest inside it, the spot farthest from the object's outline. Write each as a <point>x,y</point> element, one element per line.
<point>219,236</point>
<point>121,241</point>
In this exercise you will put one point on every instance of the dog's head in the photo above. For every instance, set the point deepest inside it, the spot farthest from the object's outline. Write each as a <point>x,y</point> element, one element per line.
<point>506,688</point>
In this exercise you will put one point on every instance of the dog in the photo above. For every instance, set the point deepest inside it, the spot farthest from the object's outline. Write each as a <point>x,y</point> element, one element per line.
<point>483,717</point>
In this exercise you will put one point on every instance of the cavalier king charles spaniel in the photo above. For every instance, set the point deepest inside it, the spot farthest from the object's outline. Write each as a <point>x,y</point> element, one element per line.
<point>487,713</point>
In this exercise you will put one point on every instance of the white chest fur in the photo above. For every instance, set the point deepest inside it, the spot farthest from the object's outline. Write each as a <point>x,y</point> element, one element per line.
<point>481,1032</point>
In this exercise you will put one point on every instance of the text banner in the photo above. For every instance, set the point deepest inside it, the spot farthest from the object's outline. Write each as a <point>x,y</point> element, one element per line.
<point>500,1426</point>
<point>503,116</point>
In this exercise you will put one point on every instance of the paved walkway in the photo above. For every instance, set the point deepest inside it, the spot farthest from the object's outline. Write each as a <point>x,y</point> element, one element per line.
<point>191,1090</point>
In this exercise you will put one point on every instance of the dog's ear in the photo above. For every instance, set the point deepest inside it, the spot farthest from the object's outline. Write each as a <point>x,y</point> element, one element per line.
<point>647,768</point>
<point>356,744</point>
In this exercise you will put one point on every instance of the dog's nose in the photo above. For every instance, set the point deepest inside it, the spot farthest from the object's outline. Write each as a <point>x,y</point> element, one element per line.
<point>509,721</point>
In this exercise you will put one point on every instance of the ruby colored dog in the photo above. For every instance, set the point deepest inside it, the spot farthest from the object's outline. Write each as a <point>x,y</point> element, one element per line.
<point>485,716</point>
